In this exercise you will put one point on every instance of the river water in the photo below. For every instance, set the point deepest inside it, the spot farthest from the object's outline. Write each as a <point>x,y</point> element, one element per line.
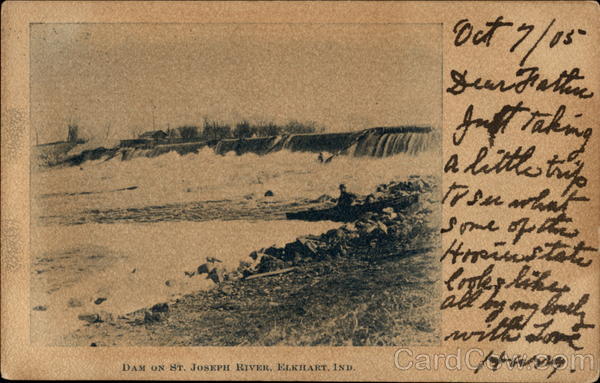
<point>120,265</point>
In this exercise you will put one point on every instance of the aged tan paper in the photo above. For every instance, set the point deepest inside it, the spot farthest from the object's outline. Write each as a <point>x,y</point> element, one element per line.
<point>380,191</point>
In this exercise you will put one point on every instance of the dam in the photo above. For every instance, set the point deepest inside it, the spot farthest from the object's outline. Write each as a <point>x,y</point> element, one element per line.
<point>374,142</point>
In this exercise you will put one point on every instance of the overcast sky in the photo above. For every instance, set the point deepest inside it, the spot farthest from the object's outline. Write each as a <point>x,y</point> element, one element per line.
<point>345,76</point>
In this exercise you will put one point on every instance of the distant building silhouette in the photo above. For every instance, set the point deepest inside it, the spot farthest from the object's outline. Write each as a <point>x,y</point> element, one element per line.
<point>154,134</point>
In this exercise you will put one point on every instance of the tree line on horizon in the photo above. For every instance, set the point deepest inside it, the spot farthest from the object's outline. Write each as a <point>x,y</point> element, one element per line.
<point>216,130</point>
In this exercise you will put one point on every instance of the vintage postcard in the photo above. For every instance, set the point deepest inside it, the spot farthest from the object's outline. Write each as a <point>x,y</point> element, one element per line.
<point>331,191</point>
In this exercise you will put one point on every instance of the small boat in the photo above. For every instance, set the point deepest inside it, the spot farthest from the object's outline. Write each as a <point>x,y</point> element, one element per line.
<point>353,212</point>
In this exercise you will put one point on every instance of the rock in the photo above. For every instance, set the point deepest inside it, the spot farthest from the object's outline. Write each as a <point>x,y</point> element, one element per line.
<point>247,268</point>
<point>99,300</point>
<point>342,252</point>
<point>90,318</point>
<point>244,265</point>
<point>269,193</point>
<point>40,308</point>
<point>390,213</point>
<point>152,317</point>
<point>303,247</point>
<point>322,198</point>
<point>93,344</point>
<point>101,316</point>
<point>341,235</point>
<point>213,260</point>
<point>160,308</point>
<point>270,263</point>
<point>189,274</point>
<point>203,269</point>
<point>388,210</point>
<point>366,227</point>
<point>275,252</point>
<point>256,256</point>
<point>169,283</point>
<point>370,216</point>
<point>381,226</point>
<point>248,196</point>
<point>217,275</point>
<point>73,302</point>
<point>233,275</point>
<point>227,289</point>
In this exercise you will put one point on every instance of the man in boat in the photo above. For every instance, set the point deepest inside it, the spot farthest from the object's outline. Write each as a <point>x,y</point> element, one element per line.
<point>345,199</point>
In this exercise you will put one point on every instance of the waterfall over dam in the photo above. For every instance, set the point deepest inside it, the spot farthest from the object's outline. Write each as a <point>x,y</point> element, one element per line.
<point>374,142</point>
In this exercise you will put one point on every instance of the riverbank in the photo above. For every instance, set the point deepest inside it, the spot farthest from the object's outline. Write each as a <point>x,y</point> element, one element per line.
<point>122,267</point>
<point>349,302</point>
<point>371,282</point>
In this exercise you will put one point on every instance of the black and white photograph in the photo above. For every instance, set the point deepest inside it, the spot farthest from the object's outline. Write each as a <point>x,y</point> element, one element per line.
<point>235,184</point>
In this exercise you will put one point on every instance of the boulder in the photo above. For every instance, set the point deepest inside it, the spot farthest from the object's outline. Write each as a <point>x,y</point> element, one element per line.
<point>244,265</point>
<point>336,235</point>
<point>233,275</point>
<point>381,226</point>
<point>99,300</point>
<point>227,289</point>
<point>90,318</point>
<point>160,308</point>
<point>257,255</point>
<point>275,252</point>
<point>152,317</point>
<point>366,227</point>
<point>101,316</point>
<point>203,269</point>
<point>369,216</point>
<point>216,274</point>
<point>303,247</point>
<point>270,263</point>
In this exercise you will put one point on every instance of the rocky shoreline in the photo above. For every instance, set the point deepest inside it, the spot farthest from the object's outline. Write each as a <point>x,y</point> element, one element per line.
<point>397,227</point>
<point>378,273</point>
